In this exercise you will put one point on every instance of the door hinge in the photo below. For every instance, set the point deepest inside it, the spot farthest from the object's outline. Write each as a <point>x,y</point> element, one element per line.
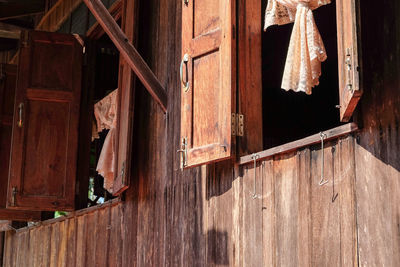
<point>183,153</point>
<point>349,67</point>
<point>237,125</point>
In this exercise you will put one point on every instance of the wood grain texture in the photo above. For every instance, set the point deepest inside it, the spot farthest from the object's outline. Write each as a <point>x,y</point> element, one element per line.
<point>208,41</point>
<point>45,147</point>
<point>126,99</point>
<point>348,36</point>
<point>249,76</point>
<point>130,54</point>
<point>171,218</point>
<point>8,77</point>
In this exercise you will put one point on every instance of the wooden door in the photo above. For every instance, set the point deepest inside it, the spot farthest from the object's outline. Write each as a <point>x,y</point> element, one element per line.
<point>8,77</point>
<point>45,127</point>
<point>208,81</point>
<point>348,57</point>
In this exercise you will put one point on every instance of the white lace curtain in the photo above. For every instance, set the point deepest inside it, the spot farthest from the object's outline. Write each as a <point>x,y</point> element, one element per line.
<point>105,112</point>
<point>306,49</point>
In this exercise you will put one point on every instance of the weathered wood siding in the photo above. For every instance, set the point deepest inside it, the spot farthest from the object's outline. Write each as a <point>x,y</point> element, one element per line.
<point>207,217</point>
<point>214,220</point>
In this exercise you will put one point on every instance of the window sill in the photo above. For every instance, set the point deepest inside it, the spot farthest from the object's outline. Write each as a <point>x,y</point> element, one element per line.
<point>310,140</point>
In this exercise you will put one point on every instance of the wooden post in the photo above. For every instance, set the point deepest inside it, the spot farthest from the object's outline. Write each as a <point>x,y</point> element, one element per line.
<point>128,52</point>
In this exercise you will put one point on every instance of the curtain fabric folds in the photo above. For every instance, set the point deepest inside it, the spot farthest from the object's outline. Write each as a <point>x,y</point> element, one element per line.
<point>105,112</point>
<point>306,48</point>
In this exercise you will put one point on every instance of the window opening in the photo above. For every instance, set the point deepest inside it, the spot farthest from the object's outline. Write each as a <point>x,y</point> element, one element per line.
<point>288,115</point>
<point>105,83</point>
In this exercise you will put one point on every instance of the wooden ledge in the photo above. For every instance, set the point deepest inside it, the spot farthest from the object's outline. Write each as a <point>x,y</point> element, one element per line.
<point>77,213</point>
<point>310,140</point>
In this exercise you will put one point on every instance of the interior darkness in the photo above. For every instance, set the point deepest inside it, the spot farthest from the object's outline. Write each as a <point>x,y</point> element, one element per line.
<point>288,116</point>
<point>105,81</point>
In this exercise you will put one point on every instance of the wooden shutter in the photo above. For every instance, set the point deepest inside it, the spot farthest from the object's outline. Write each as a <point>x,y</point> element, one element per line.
<point>348,56</point>
<point>8,76</point>
<point>126,99</point>
<point>45,127</point>
<point>208,70</point>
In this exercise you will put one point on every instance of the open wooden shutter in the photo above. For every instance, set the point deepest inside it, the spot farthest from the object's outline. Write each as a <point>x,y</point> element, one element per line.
<point>45,128</point>
<point>348,56</point>
<point>208,81</point>
<point>8,77</point>
<point>126,99</point>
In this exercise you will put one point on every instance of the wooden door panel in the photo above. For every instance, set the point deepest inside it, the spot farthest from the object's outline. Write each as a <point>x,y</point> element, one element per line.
<point>44,147</point>
<point>209,70</point>
<point>52,53</point>
<point>45,130</point>
<point>8,77</point>
<point>206,16</point>
<point>348,56</point>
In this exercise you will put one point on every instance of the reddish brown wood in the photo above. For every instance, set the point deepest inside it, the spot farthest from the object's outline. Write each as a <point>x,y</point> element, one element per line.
<point>129,52</point>
<point>208,39</point>
<point>250,80</point>
<point>126,99</point>
<point>8,77</point>
<point>44,149</point>
<point>348,32</point>
<point>96,31</point>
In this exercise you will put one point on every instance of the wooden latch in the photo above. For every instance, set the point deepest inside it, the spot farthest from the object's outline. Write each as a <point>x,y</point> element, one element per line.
<point>183,153</point>
<point>237,125</point>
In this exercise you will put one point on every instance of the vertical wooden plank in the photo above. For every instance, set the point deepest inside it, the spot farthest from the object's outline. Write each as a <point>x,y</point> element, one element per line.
<point>81,241</point>
<point>345,171</point>
<point>116,241</point>
<point>325,213</point>
<point>250,81</point>
<point>24,256</point>
<point>62,245</point>
<point>44,246</point>
<point>71,241</point>
<point>268,211</point>
<point>286,209</point>
<point>102,237</point>
<point>252,216</point>
<point>376,188</point>
<point>91,238</point>
<point>237,216</point>
<point>304,241</point>
<point>8,249</point>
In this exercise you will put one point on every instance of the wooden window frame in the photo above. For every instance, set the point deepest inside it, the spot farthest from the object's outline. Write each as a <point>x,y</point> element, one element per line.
<point>250,80</point>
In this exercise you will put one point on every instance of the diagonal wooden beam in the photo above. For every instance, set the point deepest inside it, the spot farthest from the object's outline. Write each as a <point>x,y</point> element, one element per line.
<point>128,52</point>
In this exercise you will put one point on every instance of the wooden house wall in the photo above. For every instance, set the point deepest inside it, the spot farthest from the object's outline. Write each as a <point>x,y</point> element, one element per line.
<point>207,216</point>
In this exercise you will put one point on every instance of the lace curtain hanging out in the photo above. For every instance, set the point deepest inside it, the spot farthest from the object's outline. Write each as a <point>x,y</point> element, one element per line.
<point>306,48</point>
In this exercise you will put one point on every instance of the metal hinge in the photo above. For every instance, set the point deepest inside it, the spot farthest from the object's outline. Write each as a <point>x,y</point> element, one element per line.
<point>237,124</point>
<point>183,153</point>
<point>349,67</point>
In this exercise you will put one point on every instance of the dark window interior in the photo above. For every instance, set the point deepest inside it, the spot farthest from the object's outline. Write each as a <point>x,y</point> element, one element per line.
<point>288,116</point>
<point>105,81</point>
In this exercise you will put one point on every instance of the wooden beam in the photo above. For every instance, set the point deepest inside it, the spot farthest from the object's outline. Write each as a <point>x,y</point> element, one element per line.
<point>9,34</point>
<point>310,140</point>
<point>129,53</point>
<point>96,31</point>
